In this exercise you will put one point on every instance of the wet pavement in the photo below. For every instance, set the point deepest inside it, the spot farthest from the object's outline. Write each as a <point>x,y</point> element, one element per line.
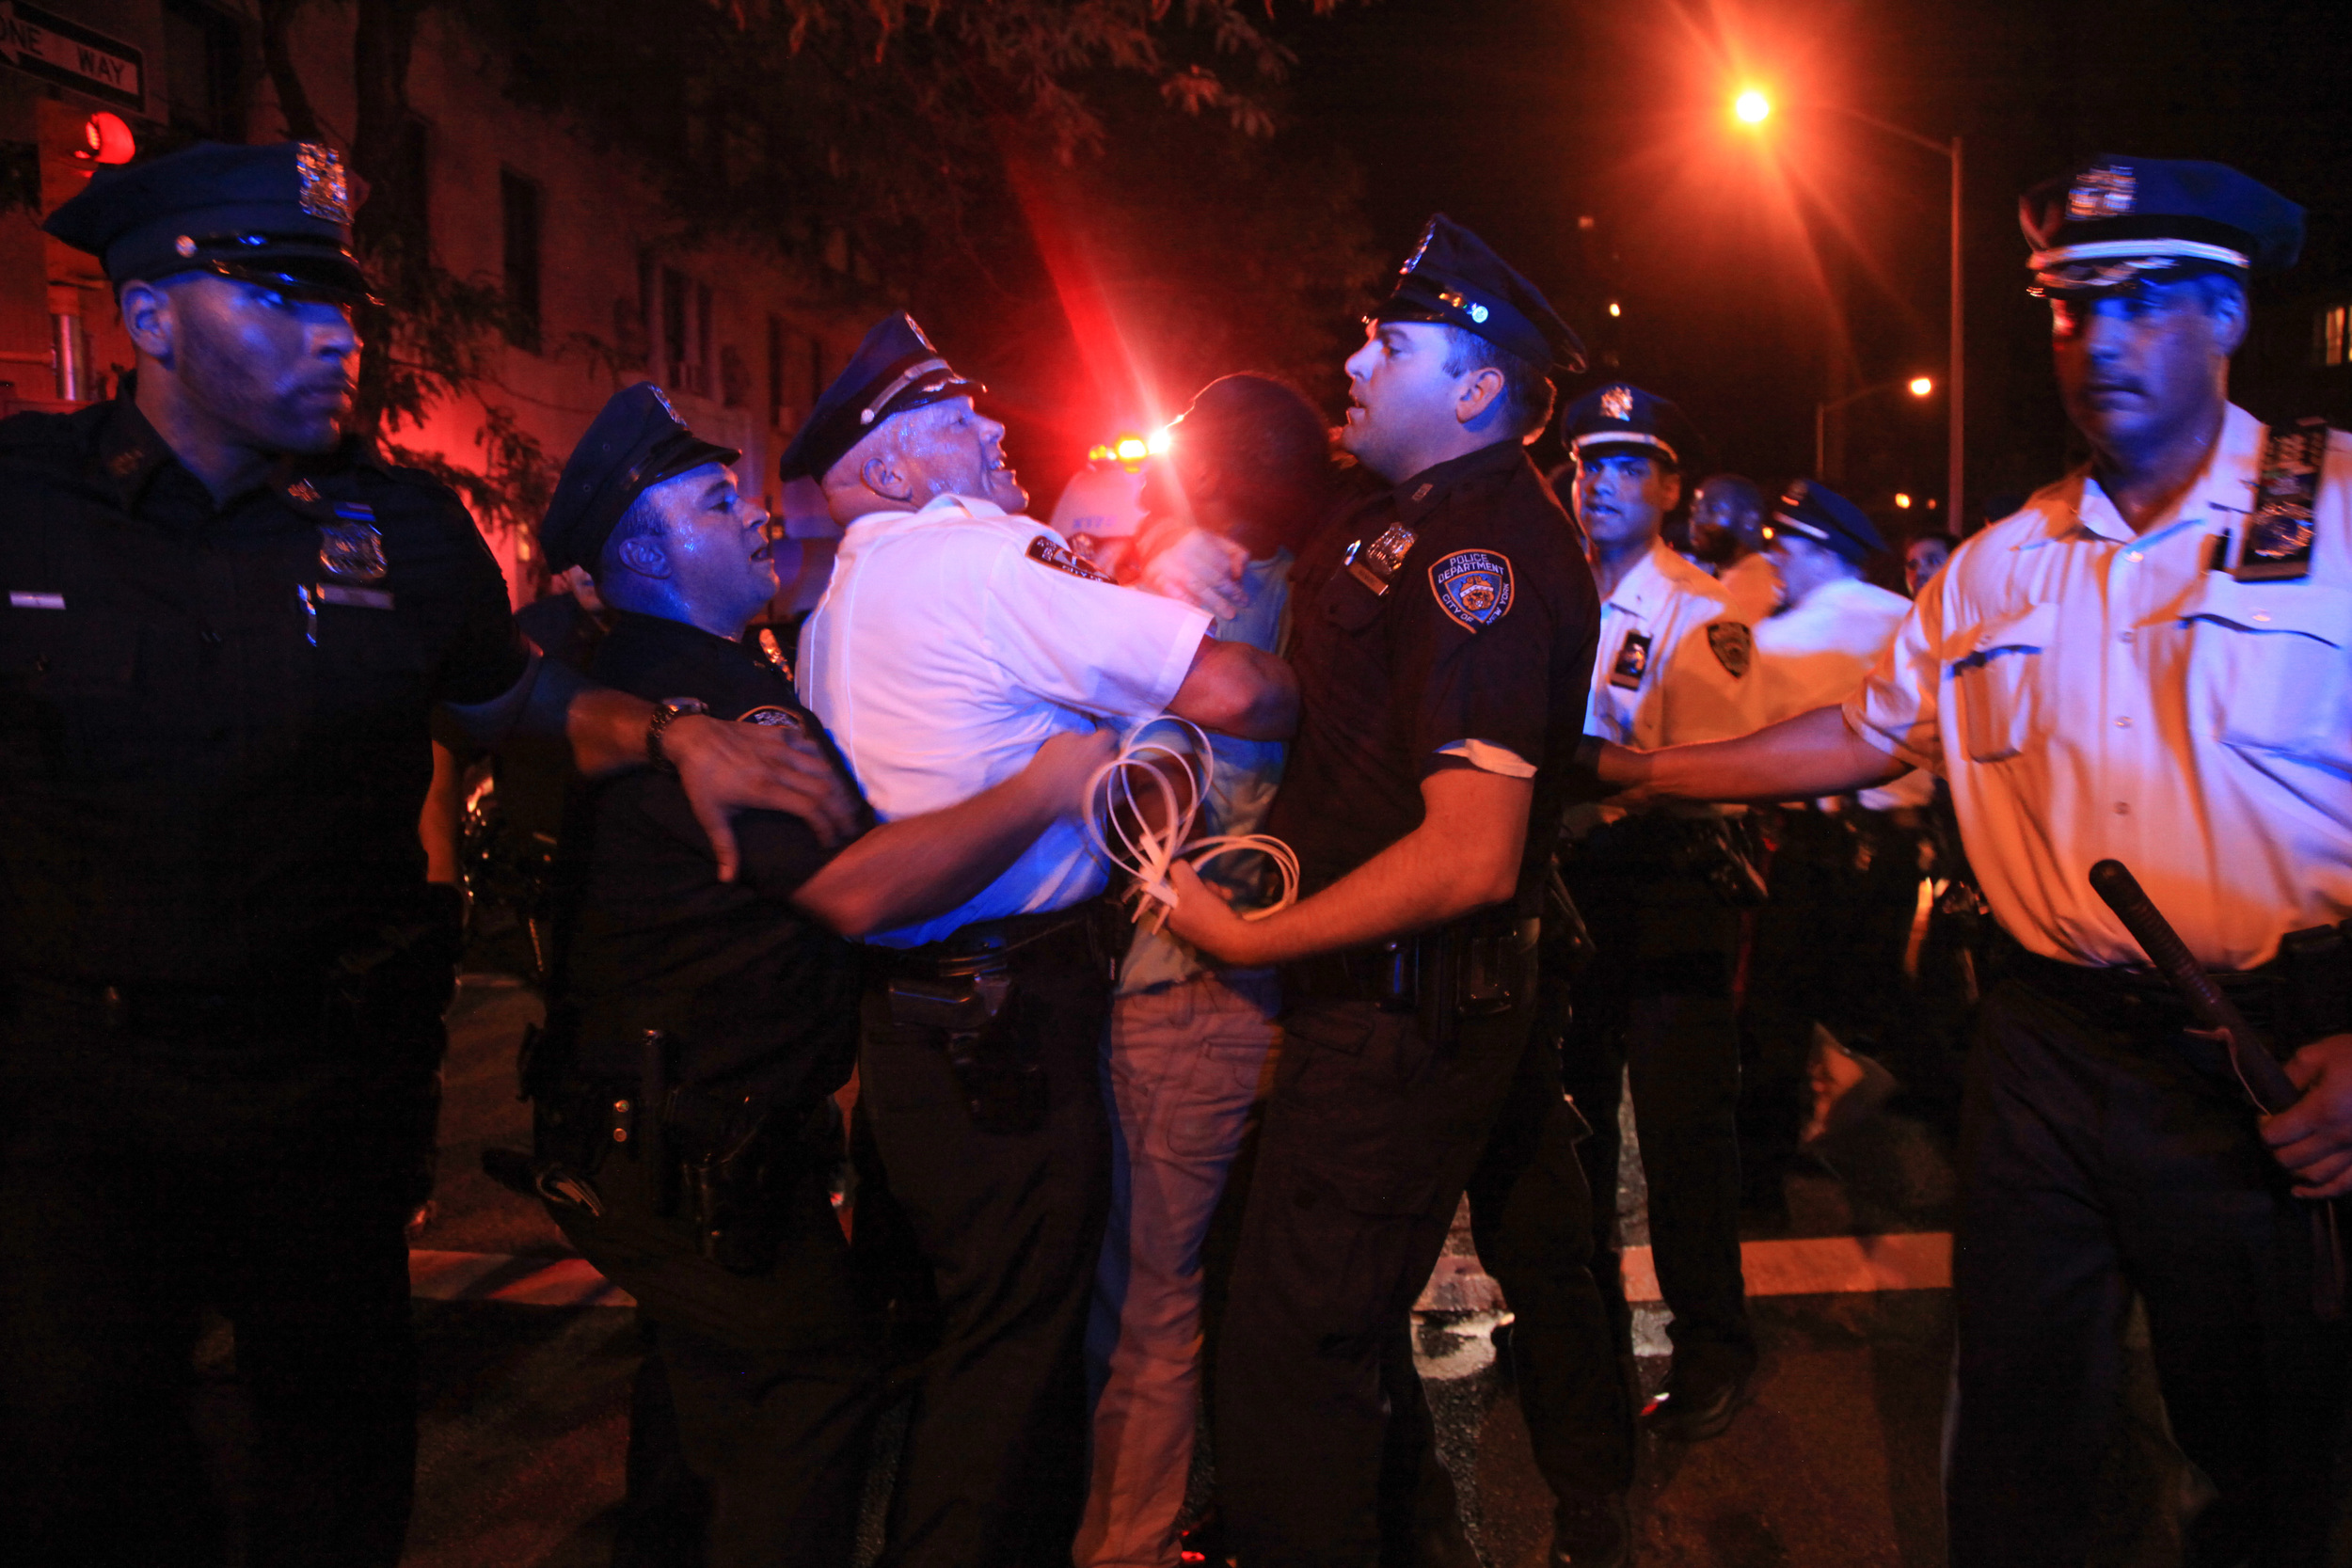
<point>1833,1465</point>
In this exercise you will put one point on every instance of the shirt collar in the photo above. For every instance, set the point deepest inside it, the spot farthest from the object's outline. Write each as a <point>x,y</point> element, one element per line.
<point>2225,486</point>
<point>1427,490</point>
<point>660,631</point>
<point>132,452</point>
<point>1642,589</point>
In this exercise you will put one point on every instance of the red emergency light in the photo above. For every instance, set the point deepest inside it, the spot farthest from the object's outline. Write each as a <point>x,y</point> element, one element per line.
<point>106,140</point>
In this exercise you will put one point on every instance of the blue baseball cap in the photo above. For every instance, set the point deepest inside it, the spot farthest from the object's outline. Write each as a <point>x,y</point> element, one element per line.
<point>277,215</point>
<point>2115,219</point>
<point>1455,279</point>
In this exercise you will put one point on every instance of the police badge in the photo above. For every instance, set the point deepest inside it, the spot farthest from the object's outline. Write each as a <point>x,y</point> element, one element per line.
<point>326,187</point>
<point>2104,192</point>
<point>1473,587</point>
<point>350,547</point>
<point>1734,646</point>
<point>1618,403</point>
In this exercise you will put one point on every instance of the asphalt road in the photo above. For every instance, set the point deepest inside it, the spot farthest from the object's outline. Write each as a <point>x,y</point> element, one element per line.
<point>1834,1466</point>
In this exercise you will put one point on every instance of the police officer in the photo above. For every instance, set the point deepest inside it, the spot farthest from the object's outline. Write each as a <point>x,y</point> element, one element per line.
<point>697,1029</point>
<point>226,628</point>
<point>1727,537</point>
<point>1827,947</point>
<point>1444,634</point>
<point>2147,662</point>
<point>957,635</point>
<point>1662,891</point>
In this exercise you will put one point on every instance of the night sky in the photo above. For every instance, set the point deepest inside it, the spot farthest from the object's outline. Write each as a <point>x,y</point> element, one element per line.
<point>1758,274</point>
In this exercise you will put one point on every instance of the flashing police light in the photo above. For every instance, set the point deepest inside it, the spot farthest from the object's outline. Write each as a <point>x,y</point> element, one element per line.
<point>106,140</point>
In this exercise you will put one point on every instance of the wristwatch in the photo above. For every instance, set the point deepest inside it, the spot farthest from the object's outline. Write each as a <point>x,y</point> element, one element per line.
<point>665,713</point>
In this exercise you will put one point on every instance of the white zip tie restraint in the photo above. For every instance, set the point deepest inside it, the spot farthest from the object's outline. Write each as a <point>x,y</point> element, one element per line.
<point>1146,854</point>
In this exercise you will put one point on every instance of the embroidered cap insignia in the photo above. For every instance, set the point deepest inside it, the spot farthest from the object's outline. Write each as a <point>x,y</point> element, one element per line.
<point>1473,587</point>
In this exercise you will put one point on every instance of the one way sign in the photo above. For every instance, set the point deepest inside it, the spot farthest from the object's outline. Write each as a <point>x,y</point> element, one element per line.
<point>69,54</point>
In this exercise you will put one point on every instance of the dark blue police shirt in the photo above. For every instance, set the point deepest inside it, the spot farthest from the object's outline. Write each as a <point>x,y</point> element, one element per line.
<point>754,993</point>
<point>214,739</point>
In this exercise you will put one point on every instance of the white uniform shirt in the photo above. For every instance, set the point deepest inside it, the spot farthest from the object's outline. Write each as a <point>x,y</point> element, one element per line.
<point>944,654</point>
<point>1660,679</point>
<point>2090,692</point>
<point>1751,584</point>
<point>1816,653</point>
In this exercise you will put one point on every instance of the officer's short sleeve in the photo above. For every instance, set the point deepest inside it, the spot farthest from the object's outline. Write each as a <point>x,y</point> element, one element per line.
<point>1086,644</point>
<point>1895,710</point>
<point>1474,648</point>
<point>487,654</point>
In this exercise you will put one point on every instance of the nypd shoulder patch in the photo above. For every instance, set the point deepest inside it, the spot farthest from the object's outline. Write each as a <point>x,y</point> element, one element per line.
<point>1048,551</point>
<point>1473,587</point>
<point>1734,646</point>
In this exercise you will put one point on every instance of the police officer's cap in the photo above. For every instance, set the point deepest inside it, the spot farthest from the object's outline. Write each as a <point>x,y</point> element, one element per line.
<point>636,442</point>
<point>1619,421</point>
<point>894,370</point>
<point>2115,219</point>
<point>279,216</point>
<point>1813,511</point>
<point>1454,278</point>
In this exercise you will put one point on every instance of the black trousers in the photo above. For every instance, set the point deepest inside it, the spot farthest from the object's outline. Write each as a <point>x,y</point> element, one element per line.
<point>2097,1160</point>
<point>1654,1009</point>
<point>753,1408</point>
<point>993,1470</point>
<point>146,1175</point>
<point>1532,1217</point>
<point>1369,1138</point>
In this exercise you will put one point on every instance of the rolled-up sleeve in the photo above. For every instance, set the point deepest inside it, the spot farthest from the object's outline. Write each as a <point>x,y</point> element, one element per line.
<point>1897,708</point>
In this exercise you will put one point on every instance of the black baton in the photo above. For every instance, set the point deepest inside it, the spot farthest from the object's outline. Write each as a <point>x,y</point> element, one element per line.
<point>2265,1082</point>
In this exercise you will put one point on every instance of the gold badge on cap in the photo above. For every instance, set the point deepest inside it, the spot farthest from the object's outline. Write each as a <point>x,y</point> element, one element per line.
<point>325,189</point>
<point>184,245</point>
<point>1618,403</point>
<point>2104,192</point>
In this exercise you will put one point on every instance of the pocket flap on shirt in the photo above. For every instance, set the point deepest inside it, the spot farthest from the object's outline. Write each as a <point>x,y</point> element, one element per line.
<point>2312,610</point>
<point>2031,629</point>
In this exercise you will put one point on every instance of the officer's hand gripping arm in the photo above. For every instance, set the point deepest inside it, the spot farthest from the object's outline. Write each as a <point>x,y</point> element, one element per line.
<point>1236,689</point>
<point>920,866</point>
<point>2312,1137</point>
<point>723,768</point>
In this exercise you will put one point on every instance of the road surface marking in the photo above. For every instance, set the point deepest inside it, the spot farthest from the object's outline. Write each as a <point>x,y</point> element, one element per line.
<point>495,1276</point>
<point>1823,1266</point>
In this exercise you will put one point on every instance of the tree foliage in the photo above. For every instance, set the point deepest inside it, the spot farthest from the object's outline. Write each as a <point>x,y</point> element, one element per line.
<point>887,129</point>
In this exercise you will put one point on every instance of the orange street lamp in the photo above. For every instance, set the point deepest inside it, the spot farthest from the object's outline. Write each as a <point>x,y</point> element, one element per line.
<point>1751,107</point>
<point>1902,498</point>
<point>1918,386</point>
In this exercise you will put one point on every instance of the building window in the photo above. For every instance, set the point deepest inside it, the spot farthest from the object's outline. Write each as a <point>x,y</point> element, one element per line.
<point>2335,335</point>
<point>203,60</point>
<point>519,205</point>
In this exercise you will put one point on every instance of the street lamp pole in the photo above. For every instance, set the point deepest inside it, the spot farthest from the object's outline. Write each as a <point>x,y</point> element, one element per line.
<point>1753,107</point>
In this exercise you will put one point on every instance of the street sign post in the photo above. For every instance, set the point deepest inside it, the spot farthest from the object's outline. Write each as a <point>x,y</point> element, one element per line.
<point>55,50</point>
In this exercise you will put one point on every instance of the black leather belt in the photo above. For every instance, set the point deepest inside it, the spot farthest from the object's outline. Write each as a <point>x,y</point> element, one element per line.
<point>990,946</point>
<point>1389,975</point>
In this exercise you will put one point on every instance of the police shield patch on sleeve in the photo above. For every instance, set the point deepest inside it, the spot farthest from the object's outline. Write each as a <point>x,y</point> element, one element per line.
<point>1473,587</point>
<point>1734,646</point>
<point>1050,552</point>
